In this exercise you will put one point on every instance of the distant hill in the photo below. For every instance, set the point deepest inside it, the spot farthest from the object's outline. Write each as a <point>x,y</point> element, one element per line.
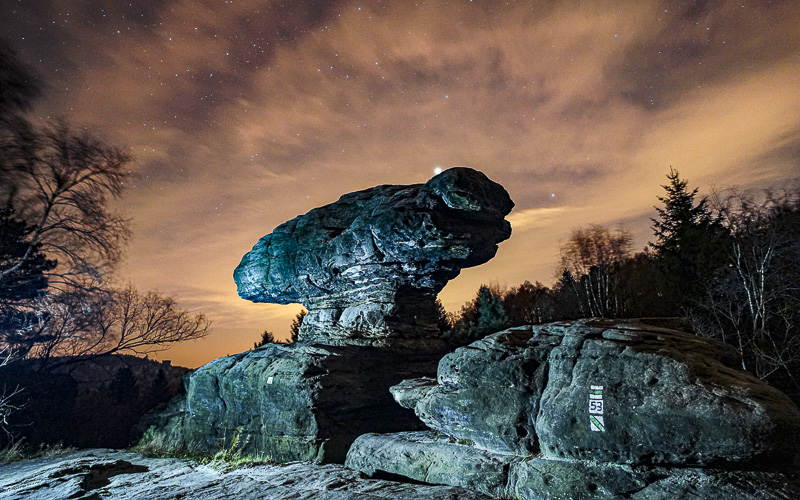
<point>101,371</point>
<point>86,403</point>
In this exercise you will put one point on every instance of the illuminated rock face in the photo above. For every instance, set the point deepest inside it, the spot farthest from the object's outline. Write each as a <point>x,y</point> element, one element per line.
<point>370,265</point>
<point>295,401</point>
<point>614,391</point>
<point>621,404</point>
<point>367,268</point>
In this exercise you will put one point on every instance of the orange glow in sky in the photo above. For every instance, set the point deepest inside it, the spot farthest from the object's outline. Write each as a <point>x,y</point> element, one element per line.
<point>244,114</point>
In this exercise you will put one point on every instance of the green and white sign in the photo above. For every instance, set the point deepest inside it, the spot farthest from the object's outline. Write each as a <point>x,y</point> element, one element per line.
<point>596,422</point>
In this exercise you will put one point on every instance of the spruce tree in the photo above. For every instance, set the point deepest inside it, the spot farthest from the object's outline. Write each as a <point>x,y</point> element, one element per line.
<point>159,389</point>
<point>266,338</point>
<point>124,387</point>
<point>294,330</point>
<point>491,312</point>
<point>688,242</point>
<point>680,217</point>
<point>442,319</point>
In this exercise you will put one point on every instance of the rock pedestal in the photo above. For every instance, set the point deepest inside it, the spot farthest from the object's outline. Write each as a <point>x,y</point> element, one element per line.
<point>623,406</point>
<point>367,268</point>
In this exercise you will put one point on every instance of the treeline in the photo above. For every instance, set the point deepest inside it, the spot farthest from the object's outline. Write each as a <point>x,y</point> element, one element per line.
<point>728,263</point>
<point>88,403</point>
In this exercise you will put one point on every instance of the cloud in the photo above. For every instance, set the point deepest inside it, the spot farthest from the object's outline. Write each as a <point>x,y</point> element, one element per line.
<point>533,218</point>
<point>246,114</point>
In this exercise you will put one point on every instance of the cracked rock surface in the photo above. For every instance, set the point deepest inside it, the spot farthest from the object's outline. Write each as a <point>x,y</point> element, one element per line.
<point>594,409</point>
<point>665,397</point>
<point>435,458</point>
<point>95,474</point>
<point>369,265</point>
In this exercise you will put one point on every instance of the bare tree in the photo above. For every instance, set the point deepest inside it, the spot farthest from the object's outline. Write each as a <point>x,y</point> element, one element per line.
<point>60,183</point>
<point>755,303</point>
<point>81,326</point>
<point>529,304</point>
<point>591,256</point>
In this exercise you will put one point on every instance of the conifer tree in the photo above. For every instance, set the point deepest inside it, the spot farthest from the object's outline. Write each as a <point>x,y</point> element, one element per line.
<point>688,242</point>
<point>442,318</point>
<point>491,312</point>
<point>679,217</point>
<point>266,338</point>
<point>483,315</point>
<point>124,386</point>
<point>159,389</point>
<point>294,330</point>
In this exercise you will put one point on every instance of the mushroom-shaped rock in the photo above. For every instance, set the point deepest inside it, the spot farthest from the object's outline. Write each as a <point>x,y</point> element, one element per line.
<point>369,266</point>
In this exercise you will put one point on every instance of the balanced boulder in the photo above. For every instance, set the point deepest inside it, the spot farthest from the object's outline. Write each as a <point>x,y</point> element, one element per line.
<point>369,266</point>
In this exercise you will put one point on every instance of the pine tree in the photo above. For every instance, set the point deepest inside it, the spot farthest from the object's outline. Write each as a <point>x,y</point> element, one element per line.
<point>442,318</point>
<point>294,330</point>
<point>124,387</point>
<point>266,338</point>
<point>483,315</point>
<point>159,389</point>
<point>491,312</point>
<point>680,217</point>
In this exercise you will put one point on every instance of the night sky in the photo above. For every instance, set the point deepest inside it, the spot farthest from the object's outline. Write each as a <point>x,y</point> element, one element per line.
<point>245,113</point>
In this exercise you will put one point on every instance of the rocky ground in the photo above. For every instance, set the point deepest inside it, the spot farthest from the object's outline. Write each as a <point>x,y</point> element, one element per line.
<point>102,473</point>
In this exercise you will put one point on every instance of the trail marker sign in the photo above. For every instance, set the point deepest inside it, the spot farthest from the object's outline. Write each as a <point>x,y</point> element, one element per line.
<point>596,422</point>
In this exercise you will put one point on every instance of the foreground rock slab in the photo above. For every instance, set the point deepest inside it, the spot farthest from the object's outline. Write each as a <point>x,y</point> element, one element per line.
<point>434,458</point>
<point>594,409</point>
<point>94,474</point>
<point>614,391</point>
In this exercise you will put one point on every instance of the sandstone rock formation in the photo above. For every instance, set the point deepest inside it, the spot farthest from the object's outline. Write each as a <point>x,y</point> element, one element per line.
<point>369,266</point>
<point>639,400</point>
<point>368,269</point>
<point>294,401</point>
<point>114,474</point>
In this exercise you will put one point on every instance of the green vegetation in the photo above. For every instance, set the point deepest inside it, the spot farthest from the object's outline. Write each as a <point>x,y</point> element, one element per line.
<point>228,457</point>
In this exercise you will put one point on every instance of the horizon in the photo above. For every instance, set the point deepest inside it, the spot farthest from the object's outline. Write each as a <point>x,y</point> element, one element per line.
<point>244,115</point>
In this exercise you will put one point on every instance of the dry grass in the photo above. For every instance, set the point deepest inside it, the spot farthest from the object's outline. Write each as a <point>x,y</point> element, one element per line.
<point>16,452</point>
